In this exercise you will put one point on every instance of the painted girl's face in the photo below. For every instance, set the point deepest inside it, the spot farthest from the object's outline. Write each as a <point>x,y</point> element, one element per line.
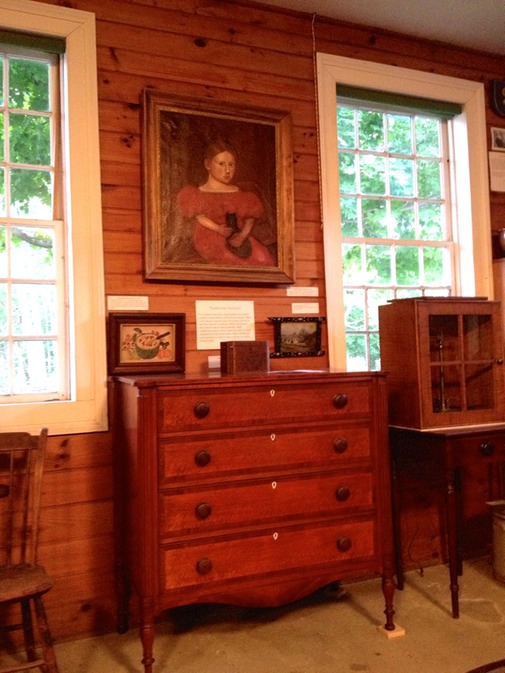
<point>221,167</point>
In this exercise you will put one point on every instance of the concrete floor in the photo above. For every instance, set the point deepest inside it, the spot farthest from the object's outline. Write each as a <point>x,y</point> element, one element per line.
<point>321,634</point>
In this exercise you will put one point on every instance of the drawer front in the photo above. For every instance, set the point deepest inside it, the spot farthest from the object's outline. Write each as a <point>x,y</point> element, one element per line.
<point>277,550</point>
<point>205,455</point>
<point>203,510</point>
<point>260,404</point>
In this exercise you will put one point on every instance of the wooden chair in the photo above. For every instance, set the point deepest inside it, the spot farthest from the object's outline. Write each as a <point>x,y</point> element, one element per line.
<point>22,581</point>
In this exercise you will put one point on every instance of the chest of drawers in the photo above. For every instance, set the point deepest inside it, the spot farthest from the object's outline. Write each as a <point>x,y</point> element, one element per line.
<point>249,490</point>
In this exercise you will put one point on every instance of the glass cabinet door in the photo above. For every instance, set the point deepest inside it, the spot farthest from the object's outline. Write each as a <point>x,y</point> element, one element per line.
<point>461,362</point>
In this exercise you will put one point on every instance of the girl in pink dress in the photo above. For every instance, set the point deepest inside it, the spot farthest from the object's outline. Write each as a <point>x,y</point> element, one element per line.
<point>223,215</point>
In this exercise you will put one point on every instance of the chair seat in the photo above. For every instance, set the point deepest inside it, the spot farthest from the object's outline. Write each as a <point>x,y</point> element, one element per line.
<point>23,581</point>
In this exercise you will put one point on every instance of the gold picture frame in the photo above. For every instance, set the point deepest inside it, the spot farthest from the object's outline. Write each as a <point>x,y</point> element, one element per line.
<point>177,133</point>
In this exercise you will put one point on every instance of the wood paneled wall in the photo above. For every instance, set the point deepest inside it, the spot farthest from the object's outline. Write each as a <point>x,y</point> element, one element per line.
<point>237,51</point>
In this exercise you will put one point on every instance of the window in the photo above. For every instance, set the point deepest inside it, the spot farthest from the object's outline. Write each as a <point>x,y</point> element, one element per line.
<point>395,207</point>
<point>460,238</point>
<point>33,297</point>
<point>52,336</point>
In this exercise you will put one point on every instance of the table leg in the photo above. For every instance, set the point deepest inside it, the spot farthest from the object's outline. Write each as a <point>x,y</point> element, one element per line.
<point>452,538</point>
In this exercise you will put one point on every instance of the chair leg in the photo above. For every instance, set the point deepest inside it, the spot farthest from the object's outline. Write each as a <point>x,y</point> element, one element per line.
<point>26,616</point>
<point>45,636</point>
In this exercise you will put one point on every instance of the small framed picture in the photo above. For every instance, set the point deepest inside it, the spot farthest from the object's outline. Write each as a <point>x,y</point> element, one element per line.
<point>146,343</point>
<point>297,337</point>
<point>498,139</point>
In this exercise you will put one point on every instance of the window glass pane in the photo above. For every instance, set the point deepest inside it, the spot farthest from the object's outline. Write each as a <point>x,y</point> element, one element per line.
<point>378,264</point>
<point>346,126</point>
<point>401,177</point>
<point>375,299</point>
<point>430,221</point>
<point>352,265</point>
<point>372,174</point>
<point>29,85</point>
<point>3,310</point>
<point>436,266</point>
<point>4,369</point>
<point>399,134</point>
<point>349,216</point>
<point>31,194</point>
<point>2,137</point>
<point>428,179</point>
<point>427,137</point>
<point>373,213</point>
<point>29,139</point>
<point>374,343</point>
<point>2,192</point>
<point>33,309</point>
<point>356,352</point>
<point>32,253</point>
<point>407,266</point>
<point>347,171</point>
<point>354,309</point>
<point>403,219</point>
<point>35,367</point>
<point>371,130</point>
<point>3,253</point>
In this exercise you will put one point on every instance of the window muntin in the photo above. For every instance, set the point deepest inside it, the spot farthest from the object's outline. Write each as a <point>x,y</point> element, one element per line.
<point>395,216</point>
<point>33,334</point>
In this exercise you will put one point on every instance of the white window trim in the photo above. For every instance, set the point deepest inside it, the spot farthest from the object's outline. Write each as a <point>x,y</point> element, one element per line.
<point>87,410</point>
<point>471,186</point>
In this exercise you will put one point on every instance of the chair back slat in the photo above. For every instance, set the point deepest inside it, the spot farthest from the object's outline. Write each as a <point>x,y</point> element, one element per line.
<point>21,470</point>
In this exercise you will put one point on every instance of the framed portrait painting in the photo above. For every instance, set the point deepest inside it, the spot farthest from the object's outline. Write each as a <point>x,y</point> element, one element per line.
<point>146,343</point>
<point>218,192</point>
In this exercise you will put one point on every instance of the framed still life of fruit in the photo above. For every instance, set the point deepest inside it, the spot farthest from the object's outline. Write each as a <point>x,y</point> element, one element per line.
<point>146,343</point>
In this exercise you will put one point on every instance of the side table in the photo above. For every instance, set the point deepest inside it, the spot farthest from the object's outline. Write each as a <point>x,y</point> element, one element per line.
<point>467,465</point>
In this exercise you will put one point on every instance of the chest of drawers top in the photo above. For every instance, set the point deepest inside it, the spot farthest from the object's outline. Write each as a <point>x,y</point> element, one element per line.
<point>192,403</point>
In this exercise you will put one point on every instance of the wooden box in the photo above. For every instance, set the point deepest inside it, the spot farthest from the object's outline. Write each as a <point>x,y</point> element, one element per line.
<point>244,356</point>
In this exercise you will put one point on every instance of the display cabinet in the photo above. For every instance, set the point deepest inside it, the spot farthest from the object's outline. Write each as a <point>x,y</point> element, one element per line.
<point>444,359</point>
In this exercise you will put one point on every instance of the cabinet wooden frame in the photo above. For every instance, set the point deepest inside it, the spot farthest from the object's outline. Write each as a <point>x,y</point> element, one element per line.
<point>164,347</point>
<point>175,132</point>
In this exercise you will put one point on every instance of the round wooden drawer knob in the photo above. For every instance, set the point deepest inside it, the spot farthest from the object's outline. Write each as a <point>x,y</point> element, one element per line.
<point>202,409</point>
<point>340,401</point>
<point>340,445</point>
<point>487,448</point>
<point>344,544</point>
<point>202,458</point>
<point>342,493</point>
<point>203,566</point>
<point>203,510</point>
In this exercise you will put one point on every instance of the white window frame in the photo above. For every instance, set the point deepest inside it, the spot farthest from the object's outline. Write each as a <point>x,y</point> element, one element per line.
<point>86,411</point>
<point>472,221</point>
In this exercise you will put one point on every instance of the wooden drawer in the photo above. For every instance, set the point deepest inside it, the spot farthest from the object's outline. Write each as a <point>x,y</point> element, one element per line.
<point>275,551</point>
<point>202,510</point>
<point>207,456</point>
<point>223,407</point>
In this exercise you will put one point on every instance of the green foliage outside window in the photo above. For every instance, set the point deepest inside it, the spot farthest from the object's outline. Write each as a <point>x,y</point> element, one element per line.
<point>393,203</point>
<point>28,310</point>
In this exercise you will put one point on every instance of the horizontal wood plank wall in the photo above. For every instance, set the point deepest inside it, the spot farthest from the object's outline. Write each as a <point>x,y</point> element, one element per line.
<point>232,51</point>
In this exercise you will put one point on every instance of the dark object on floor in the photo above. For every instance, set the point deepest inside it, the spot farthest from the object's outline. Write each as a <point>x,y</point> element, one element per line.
<point>496,667</point>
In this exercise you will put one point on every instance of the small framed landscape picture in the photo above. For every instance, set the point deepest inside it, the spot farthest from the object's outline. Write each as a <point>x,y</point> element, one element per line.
<point>297,337</point>
<point>146,343</point>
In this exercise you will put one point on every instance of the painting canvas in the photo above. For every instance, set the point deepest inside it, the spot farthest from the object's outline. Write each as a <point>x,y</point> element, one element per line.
<point>217,191</point>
